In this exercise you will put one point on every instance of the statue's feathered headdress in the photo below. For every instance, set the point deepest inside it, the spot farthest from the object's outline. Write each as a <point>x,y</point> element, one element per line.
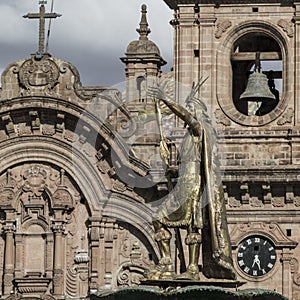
<point>192,95</point>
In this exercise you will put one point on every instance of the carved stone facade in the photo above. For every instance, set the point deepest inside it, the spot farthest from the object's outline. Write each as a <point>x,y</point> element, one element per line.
<point>259,153</point>
<point>68,227</point>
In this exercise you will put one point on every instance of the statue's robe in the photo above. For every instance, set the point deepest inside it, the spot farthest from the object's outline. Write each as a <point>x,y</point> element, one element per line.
<point>198,200</point>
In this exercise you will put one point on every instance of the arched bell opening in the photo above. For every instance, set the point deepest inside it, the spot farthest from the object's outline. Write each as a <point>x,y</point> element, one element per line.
<point>252,52</point>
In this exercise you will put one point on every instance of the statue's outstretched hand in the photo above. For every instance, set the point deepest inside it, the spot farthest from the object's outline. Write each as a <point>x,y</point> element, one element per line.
<point>156,92</point>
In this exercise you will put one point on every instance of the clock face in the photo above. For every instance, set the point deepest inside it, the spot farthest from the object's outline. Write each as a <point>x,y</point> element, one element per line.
<point>256,256</point>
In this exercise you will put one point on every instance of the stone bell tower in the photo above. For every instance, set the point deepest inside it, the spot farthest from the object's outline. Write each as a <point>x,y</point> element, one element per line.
<point>143,62</point>
<point>226,41</point>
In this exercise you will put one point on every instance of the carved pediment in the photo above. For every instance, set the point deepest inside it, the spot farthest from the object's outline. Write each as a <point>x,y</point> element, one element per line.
<point>270,230</point>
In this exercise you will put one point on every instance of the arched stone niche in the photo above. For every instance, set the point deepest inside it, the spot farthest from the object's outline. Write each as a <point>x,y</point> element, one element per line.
<point>44,225</point>
<point>225,73</point>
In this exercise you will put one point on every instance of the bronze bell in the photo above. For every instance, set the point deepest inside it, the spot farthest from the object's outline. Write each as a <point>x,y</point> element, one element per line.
<point>257,88</point>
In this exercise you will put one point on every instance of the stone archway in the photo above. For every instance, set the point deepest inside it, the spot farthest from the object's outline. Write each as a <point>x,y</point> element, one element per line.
<point>44,227</point>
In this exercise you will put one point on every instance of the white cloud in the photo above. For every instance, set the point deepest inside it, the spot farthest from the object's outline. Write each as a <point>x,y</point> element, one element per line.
<point>92,34</point>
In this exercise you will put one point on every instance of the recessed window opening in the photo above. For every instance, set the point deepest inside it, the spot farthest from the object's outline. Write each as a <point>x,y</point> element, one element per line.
<point>258,55</point>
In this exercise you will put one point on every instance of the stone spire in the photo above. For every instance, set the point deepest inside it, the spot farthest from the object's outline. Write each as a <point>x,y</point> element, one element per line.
<point>143,62</point>
<point>144,29</point>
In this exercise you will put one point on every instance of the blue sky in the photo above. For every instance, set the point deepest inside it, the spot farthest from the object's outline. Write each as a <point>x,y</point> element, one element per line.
<point>91,34</point>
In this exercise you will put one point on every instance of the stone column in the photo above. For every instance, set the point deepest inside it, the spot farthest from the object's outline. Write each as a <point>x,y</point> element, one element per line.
<point>286,257</point>
<point>58,230</point>
<point>49,254</point>
<point>9,230</point>
<point>19,266</point>
<point>207,59</point>
<point>95,254</point>
<point>297,59</point>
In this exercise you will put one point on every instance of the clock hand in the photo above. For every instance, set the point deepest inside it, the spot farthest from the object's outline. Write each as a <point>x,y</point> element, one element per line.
<point>256,261</point>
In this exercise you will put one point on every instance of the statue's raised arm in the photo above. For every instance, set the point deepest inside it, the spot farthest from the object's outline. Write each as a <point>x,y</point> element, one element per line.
<point>201,210</point>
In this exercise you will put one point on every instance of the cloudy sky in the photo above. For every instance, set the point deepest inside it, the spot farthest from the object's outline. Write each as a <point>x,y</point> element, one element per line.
<point>91,34</point>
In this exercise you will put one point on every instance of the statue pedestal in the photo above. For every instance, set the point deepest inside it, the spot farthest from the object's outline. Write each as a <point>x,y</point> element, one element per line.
<point>186,290</point>
<point>183,283</point>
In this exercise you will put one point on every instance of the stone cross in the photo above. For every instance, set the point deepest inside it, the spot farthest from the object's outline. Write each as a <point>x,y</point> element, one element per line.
<point>42,15</point>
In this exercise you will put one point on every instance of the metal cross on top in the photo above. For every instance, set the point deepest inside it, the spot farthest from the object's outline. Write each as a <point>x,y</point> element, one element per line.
<point>42,15</point>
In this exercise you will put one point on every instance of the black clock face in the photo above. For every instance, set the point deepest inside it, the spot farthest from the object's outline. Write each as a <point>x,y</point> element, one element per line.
<point>256,256</point>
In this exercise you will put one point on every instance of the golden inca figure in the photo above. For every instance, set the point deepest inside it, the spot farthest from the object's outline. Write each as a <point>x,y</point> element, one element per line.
<point>200,194</point>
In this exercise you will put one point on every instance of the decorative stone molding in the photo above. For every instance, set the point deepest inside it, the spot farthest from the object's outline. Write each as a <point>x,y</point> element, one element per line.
<point>32,284</point>
<point>296,279</point>
<point>278,202</point>
<point>119,186</point>
<point>232,202</point>
<point>255,202</point>
<point>35,180</point>
<point>6,198</point>
<point>222,27</point>
<point>270,230</point>
<point>8,228</point>
<point>131,273</point>
<point>287,117</point>
<point>48,129</point>
<point>9,125</point>
<point>224,95</point>
<point>58,228</point>
<point>287,26</point>
<point>221,118</point>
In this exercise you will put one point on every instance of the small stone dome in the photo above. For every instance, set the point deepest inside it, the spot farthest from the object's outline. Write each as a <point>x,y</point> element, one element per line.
<point>142,47</point>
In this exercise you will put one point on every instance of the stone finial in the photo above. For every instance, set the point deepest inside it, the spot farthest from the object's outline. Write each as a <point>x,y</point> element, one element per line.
<point>144,30</point>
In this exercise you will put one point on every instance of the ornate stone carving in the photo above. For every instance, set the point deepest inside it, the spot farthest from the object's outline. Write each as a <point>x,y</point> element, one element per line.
<point>35,180</point>
<point>103,166</point>
<point>221,118</point>
<point>58,228</point>
<point>62,198</point>
<point>297,201</point>
<point>69,136</point>
<point>23,129</point>
<point>8,228</point>
<point>71,282</point>
<point>278,202</point>
<point>222,27</point>
<point>6,197</point>
<point>9,125</point>
<point>232,202</point>
<point>294,265</point>
<point>287,27</point>
<point>271,230</point>
<point>296,279</point>
<point>255,202</point>
<point>48,129</point>
<point>286,118</point>
<point>130,274</point>
<point>38,75</point>
<point>119,186</point>
<point>126,127</point>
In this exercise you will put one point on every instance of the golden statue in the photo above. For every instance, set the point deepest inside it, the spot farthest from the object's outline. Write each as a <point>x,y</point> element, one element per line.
<point>199,192</point>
